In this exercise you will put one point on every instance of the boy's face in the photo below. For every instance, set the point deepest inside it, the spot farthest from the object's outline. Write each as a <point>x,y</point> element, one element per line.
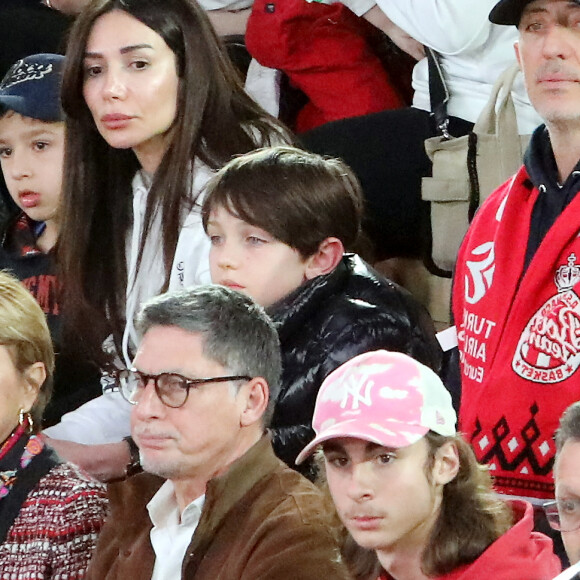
<point>31,157</point>
<point>247,258</point>
<point>382,495</point>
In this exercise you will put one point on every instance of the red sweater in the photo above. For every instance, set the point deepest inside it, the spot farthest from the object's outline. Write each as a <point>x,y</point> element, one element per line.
<point>519,336</point>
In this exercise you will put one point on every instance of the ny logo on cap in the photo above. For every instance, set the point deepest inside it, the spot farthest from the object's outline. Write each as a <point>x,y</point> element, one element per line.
<point>357,386</point>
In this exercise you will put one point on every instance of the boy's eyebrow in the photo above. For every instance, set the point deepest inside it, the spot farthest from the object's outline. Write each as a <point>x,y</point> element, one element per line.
<point>332,446</point>
<point>42,128</point>
<point>36,131</point>
<point>123,50</point>
<point>212,222</point>
<point>370,447</point>
<point>533,12</point>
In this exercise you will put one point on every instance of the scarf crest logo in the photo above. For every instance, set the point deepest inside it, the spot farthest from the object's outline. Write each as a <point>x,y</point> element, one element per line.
<point>549,348</point>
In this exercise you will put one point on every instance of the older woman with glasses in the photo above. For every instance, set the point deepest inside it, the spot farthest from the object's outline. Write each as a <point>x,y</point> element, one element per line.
<point>50,512</point>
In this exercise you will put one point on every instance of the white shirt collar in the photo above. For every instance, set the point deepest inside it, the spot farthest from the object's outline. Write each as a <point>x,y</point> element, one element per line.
<point>172,532</point>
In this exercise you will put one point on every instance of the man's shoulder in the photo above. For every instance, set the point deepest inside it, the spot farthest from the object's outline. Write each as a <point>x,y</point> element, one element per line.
<point>291,496</point>
<point>287,531</point>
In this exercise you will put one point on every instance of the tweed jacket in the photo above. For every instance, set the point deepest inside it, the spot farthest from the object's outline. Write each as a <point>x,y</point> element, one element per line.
<point>56,529</point>
<point>260,520</point>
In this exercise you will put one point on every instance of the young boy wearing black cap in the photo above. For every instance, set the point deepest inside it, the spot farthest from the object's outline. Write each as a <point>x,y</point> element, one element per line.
<point>32,135</point>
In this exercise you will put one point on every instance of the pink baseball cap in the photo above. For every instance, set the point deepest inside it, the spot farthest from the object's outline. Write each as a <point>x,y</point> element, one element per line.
<point>384,397</point>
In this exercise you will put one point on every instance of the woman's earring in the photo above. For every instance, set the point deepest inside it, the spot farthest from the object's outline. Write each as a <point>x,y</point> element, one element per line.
<point>25,420</point>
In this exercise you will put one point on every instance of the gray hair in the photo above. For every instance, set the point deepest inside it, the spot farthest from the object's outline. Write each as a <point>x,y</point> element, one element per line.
<point>237,333</point>
<point>569,426</point>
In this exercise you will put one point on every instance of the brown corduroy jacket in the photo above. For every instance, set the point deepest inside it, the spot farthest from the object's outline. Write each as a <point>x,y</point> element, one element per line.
<point>260,520</point>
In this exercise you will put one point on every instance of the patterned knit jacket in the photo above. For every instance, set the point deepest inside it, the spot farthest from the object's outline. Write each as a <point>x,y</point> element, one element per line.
<point>56,529</point>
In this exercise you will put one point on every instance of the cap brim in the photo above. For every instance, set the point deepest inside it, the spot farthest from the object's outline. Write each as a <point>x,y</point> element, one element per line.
<point>338,431</point>
<point>50,114</point>
<point>11,103</point>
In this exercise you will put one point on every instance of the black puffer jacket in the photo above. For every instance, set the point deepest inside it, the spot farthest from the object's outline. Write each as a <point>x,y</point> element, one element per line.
<point>328,321</point>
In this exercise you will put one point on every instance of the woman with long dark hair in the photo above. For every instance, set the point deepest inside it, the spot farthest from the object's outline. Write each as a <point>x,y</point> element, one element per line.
<point>154,107</point>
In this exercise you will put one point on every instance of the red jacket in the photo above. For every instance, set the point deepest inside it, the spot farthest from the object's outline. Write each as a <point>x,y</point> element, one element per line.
<point>519,553</point>
<point>324,51</point>
<point>519,336</point>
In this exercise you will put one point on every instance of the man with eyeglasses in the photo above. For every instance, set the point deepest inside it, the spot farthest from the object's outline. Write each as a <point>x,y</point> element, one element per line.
<point>516,292</point>
<point>564,513</point>
<point>215,503</point>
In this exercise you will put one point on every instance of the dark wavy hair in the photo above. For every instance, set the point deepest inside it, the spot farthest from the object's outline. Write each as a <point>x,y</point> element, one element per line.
<point>215,120</point>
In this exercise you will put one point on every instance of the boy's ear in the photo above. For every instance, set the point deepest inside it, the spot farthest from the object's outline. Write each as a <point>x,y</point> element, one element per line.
<point>517,51</point>
<point>325,259</point>
<point>446,464</point>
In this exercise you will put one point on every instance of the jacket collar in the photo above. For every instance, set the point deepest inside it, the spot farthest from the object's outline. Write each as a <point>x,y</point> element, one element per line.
<point>542,169</point>
<point>296,309</point>
<point>225,491</point>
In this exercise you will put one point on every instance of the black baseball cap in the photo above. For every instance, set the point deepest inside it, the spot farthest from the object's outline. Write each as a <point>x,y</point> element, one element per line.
<point>510,11</point>
<point>32,87</point>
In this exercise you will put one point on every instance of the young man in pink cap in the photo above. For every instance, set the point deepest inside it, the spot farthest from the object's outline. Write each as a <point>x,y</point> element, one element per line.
<point>408,487</point>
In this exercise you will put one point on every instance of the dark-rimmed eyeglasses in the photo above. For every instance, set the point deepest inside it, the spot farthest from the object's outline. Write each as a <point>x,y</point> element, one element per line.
<point>563,514</point>
<point>171,388</point>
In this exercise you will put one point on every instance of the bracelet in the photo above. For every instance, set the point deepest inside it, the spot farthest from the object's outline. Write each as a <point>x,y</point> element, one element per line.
<point>134,465</point>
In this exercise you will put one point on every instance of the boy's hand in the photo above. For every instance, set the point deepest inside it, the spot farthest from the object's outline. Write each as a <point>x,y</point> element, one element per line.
<point>405,42</point>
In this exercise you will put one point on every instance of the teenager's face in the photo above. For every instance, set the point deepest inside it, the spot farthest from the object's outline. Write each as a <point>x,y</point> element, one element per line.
<point>382,494</point>
<point>249,259</point>
<point>549,55</point>
<point>31,156</point>
<point>131,86</point>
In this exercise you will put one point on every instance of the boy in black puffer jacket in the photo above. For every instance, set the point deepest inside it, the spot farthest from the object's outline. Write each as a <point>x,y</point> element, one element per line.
<point>279,220</point>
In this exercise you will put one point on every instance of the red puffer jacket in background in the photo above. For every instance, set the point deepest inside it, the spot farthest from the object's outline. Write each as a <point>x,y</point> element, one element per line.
<point>323,50</point>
